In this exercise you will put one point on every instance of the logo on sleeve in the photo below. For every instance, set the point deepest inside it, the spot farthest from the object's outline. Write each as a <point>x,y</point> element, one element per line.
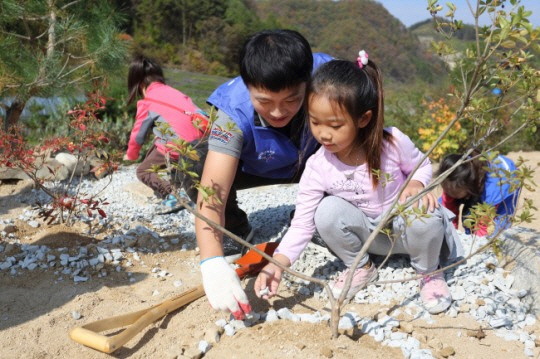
<point>220,134</point>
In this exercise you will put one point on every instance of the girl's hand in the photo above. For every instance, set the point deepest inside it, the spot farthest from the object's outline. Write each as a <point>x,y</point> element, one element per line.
<point>413,188</point>
<point>267,282</point>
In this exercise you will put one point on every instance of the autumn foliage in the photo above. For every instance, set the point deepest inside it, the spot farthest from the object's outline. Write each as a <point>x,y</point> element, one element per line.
<point>84,141</point>
<point>438,116</point>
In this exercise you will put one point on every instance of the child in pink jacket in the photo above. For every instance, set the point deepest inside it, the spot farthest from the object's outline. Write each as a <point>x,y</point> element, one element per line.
<point>166,112</point>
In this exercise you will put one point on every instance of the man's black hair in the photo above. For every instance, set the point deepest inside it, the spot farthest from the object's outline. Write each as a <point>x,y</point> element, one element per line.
<point>276,60</point>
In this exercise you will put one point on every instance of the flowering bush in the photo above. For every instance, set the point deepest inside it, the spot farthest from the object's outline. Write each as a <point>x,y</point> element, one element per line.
<point>439,115</point>
<point>85,141</point>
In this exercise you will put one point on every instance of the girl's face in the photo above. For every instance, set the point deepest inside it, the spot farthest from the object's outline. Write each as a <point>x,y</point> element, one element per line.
<point>278,108</point>
<point>332,127</point>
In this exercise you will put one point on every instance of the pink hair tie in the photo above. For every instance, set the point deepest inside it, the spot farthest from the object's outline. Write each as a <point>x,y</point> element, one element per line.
<point>362,58</point>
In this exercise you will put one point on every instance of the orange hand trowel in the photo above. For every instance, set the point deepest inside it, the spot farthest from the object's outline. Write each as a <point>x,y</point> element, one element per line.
<point>249,264</point>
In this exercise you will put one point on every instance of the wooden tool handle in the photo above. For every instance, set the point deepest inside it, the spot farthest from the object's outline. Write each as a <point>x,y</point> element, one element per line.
<point>88,334</point>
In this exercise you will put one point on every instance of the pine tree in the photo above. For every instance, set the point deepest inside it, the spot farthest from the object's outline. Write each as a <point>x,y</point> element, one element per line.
<point>55,47</point>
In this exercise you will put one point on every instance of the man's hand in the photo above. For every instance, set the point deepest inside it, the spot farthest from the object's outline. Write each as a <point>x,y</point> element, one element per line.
<point>222,287</point>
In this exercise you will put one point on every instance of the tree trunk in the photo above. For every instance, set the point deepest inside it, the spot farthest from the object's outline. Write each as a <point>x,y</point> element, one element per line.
<point>13,113</point>
<point>184,23</point>
<point>51,40</point>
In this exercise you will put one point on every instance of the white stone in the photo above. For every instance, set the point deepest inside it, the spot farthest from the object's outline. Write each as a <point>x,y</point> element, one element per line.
<point>304,291</point>
<point>458,293</point>
<point>94,261</point>
<point>271,316</point>
<point>79,279</point>
<point>530,319</point>
<point>398,336</point>
<point>388,321</point>
<point>229,330</point>
<point>5,265</point>
<point>221,323</point>
<point>507,334</point>
<point>346,322</point>
<point>284,313</point>
<point>378,335</point>
<point>310,318</point>
<point>204,346</point>
<point>421,354</point>
<point>499,322</point>
<point>370,326</point>
<point>238,324</point>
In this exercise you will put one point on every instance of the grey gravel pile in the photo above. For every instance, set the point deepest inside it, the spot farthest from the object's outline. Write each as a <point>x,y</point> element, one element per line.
<point>479,288</point>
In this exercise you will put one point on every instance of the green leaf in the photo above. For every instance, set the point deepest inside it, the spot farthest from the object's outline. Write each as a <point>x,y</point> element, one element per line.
<point>508,44</point>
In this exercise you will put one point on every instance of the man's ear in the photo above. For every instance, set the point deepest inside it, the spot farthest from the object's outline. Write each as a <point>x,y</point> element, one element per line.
<point>366,117</point>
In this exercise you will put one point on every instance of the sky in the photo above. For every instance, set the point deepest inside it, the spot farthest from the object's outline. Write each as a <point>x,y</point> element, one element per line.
<point>410,12</point>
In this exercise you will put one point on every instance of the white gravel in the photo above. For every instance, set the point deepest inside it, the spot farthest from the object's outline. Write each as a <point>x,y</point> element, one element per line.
<point>479,289</point>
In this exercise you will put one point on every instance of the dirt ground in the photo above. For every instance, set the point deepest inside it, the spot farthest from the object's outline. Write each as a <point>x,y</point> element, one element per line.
<point>36,309</point>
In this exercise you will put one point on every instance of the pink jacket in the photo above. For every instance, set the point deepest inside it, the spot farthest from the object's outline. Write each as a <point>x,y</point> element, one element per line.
<point>169,114</point>
<point>325,174</point>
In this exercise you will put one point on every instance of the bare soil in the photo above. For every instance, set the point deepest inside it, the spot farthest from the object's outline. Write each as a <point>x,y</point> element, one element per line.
<point>36,309</point>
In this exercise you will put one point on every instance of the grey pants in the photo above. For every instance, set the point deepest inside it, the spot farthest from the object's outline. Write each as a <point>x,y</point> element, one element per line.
<point>344,228</point>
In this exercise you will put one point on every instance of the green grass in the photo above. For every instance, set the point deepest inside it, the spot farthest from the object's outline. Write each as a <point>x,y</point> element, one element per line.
<point>195,85</point>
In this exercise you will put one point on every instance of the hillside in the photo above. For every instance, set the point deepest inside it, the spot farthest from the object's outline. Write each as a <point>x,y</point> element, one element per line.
<point>425,32</point>
<point>342,28</point>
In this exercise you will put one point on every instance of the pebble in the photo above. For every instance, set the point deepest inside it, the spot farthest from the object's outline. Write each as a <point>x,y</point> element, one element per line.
<point>10,229</point>
<point>447,351</point>
<point>346,322</point>
<point>221,323</point>
<point>229,330</point>
<point>271,316</point>
<point>406,327</point>
<point>204,346</point>
<point>76,315</point>
<point>327,352</point>
<point>212,335</point>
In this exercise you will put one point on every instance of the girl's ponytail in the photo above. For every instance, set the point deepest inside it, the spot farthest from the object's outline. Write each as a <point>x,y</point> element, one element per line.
<point>142,72</point>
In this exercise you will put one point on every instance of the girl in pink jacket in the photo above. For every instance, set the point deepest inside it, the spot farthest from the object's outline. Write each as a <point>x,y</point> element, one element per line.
<point>166,112</point>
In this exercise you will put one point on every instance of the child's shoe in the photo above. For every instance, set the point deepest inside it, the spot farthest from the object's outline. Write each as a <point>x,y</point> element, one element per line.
<point>170,201</point>
<point>362,276</point>
<point>435,293</point>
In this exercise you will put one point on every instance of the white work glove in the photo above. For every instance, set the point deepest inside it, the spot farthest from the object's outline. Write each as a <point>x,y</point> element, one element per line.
<point>222,287</point>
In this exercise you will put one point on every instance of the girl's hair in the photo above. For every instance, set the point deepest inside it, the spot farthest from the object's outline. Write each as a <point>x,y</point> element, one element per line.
<point>142,72</point>
<point>356,90</point>
<point>469,175</point>
<point>276,60</point>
